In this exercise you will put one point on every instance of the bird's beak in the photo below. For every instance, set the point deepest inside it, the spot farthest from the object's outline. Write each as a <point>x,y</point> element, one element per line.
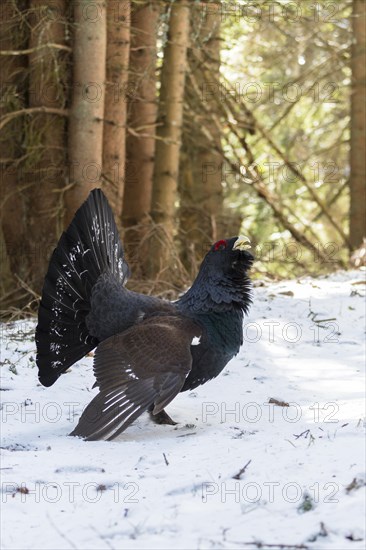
<point>242,243</point>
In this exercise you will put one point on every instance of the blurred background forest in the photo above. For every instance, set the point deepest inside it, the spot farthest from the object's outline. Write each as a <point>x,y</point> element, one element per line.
<point>199,120</point>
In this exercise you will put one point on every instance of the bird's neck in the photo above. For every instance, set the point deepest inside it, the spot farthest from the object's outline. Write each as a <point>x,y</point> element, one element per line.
<point>217,294</point>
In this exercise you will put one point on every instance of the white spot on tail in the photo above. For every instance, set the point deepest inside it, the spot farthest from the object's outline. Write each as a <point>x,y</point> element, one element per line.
<point>196,341</point>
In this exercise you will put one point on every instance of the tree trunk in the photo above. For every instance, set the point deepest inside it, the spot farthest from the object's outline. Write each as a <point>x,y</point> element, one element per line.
<point>45,137</point>
<point>114,138</point>
<point>142,108</point>
<point>358,121</point>
<point>169,135</point>
<point>13,36</point>
<point>87,108</point>
<point>201,215</point>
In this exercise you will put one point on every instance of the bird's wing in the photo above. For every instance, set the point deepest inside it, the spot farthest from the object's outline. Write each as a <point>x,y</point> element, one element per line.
<point>143,366</point>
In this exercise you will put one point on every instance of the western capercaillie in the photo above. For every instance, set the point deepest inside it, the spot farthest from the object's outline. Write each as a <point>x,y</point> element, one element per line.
<point>148,349</point>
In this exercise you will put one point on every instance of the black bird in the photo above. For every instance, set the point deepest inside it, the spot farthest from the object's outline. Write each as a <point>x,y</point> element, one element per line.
<point>148,349</point>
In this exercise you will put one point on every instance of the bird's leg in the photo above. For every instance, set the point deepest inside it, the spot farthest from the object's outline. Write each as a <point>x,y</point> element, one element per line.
<point>161,417</point>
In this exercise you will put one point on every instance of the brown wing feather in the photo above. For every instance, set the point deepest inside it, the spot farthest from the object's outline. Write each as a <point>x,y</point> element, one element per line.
<point>143,366</point>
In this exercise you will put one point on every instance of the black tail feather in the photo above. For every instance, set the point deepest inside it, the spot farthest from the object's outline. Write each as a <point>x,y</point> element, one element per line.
<point>89,247</point>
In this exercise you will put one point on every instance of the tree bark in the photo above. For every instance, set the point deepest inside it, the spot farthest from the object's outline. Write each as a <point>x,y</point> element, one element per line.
<point>140,147</point>
<point>87,107</point>
<point>358,121</point>
<point>114,138</point>
<point>201,193</point>
<point>169,135</point>
<point>45,138</point>
<point>6,276</point>
<point>13,36</point>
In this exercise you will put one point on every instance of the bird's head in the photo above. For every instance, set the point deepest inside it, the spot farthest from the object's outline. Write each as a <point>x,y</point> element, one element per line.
<point>222,281</point>
<point>230,257</point>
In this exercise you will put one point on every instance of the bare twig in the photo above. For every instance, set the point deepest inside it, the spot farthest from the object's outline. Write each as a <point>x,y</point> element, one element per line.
<point>278,546</point>
<point>35,49</point>
<point>241,471</point>
<point>26,287</point>
<point>305,433</point>
<point>30,111</point>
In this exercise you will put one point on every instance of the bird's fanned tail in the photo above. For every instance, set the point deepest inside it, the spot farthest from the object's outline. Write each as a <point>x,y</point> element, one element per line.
<point>89,247</point>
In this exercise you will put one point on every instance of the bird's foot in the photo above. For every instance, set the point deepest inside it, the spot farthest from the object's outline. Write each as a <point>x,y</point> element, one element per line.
<point>162,418</point>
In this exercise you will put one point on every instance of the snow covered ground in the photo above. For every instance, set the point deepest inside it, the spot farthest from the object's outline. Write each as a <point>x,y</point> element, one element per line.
<point>236,472</point>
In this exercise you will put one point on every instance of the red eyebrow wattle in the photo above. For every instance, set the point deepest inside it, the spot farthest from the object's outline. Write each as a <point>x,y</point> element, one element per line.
<point>220,243</point>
